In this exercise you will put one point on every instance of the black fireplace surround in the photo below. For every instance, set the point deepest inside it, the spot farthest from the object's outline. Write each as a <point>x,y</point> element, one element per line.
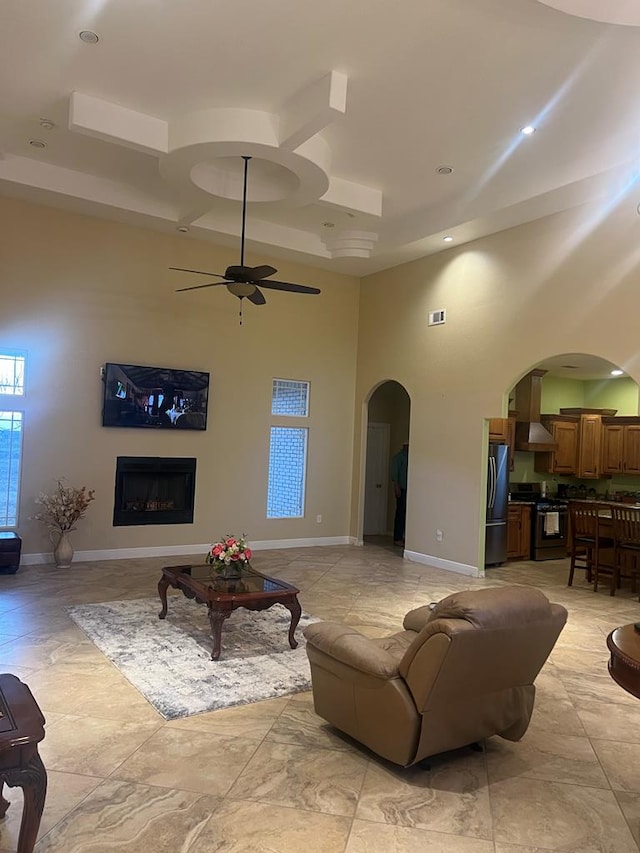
<point>154,490</point>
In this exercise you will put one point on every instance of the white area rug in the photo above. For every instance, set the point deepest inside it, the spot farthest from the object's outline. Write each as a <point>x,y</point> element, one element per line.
<point>169,661</point>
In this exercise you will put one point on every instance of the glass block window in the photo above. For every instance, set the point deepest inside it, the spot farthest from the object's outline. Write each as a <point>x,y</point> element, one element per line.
<point>287,471</point>
<point>11,374</point>
<point>290,397</point>
<point>10,455</point>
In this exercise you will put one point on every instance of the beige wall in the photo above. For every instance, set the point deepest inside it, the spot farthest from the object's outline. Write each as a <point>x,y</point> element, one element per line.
<point>568,283</point>
<point>79,291</point>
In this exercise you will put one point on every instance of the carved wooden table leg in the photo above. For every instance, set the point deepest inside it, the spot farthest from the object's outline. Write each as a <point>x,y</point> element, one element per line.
<point>293,606</point>
<point>163,586</point>
<point>216,618</point>
<point>33,781</point>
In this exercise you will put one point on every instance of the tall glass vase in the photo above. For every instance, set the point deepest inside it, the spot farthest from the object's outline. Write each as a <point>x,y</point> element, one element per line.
<point>63,551</point>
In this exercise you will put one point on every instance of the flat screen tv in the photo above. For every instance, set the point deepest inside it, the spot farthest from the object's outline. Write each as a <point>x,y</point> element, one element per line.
<point>154,397</point>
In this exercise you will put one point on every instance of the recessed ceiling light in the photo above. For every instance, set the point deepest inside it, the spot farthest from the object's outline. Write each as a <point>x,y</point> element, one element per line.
<point>617,372</point>
<point>527,130</point>
<point>444,170</point>
<point>37,143</point>
<point>46,123</point>
<point>448,239</point>
<point>182,229</point>
<point>88,37</point>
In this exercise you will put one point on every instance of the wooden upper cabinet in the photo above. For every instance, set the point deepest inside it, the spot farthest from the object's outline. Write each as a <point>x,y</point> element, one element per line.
<point>563,460</point>
<point>631,456</point>
<point>503,431</point>
<point>589,444</point>
<point>499,430</point>
<point>621,445</point>
<point>612,448</point>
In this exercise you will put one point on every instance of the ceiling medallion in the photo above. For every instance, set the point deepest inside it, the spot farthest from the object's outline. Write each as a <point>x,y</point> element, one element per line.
<point>626,13</point>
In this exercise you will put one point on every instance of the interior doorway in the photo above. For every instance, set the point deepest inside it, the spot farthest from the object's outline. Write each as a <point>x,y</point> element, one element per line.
<point>388,417</point>
<point>377,479</point>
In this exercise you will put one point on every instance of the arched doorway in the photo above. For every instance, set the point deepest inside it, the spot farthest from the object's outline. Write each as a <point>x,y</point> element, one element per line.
<point>586,405</point>
<point>388,418</point>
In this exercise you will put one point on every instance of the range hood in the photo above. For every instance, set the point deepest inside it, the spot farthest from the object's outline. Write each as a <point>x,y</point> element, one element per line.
<point>530,434</point>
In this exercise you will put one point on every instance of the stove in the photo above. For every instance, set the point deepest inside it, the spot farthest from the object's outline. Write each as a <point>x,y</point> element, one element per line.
<point>549,521</point>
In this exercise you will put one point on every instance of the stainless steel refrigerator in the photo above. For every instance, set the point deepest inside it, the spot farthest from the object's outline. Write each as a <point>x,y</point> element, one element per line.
<point>495,550</point>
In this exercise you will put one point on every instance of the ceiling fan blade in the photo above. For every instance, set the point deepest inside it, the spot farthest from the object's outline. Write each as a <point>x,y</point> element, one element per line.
<point>257,297</point>
<point>261,272</point>
<point>287,285</point>
<point>199,286</point>
<point>198,272</point>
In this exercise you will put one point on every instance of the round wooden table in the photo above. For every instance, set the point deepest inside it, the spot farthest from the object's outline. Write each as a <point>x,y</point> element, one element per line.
<point>624,665</point>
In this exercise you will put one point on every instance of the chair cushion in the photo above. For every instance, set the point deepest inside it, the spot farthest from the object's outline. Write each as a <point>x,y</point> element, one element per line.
<point>496,607</point>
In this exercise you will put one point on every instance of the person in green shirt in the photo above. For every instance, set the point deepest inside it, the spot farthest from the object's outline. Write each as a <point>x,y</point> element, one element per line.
<point>399,466</point>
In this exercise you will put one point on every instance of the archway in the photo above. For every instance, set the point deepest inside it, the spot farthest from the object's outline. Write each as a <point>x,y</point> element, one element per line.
<point>586,405</point>
<point>388,419</point>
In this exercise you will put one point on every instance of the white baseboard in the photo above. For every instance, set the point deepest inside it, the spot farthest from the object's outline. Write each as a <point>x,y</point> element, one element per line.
<point>447,565</point>
<point>180,550</point>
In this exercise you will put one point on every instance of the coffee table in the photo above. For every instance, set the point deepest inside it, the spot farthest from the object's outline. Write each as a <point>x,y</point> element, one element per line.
<point>252,590</point>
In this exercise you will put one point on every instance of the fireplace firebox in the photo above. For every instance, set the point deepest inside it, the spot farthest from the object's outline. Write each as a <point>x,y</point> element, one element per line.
<point>154,490</point>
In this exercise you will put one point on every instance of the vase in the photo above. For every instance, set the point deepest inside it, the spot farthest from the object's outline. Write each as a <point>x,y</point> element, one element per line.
<point>63,552</point>
<point>231,572</point>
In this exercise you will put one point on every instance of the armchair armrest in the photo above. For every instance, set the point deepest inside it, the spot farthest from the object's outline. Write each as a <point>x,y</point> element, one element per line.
<point>415,620</point>
<point>351,648</point>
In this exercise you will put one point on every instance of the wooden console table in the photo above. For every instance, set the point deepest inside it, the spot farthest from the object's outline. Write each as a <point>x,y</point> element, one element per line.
<point>21,730</point>
<point>624,665</point>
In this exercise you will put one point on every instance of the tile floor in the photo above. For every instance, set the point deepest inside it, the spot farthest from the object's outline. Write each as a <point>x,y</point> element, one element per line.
<point>273,777</point>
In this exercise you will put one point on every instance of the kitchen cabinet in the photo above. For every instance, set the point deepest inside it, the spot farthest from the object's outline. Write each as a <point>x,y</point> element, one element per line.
<point>589,444</point>
<point>518,532</point>
<point>499,430</point>
<point>503,431</point>
<point>620,446</point>
<point>564,459</point>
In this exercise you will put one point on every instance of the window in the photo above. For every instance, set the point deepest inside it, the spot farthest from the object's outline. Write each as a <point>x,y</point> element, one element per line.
<point>11,386</point>
<point>11,374</point>
<point>290,397</point>
<point>287,470</point>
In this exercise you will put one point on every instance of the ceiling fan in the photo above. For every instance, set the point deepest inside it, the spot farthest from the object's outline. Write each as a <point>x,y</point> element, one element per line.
<point>241,280</point>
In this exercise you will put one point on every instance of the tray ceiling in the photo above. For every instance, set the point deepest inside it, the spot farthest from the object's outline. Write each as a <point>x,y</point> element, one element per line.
<point>375,129</point>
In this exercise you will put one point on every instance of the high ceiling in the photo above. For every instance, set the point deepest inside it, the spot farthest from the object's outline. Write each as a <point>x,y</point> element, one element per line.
<point>350,109</point>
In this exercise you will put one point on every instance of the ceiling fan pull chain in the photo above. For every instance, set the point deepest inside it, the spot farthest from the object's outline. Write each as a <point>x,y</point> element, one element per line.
<point>241,311</point>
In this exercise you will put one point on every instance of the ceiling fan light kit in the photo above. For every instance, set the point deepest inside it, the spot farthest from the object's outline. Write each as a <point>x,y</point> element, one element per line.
<point>242,281</point>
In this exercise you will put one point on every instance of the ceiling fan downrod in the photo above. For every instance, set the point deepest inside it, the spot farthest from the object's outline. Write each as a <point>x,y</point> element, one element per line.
<point>246,159</point>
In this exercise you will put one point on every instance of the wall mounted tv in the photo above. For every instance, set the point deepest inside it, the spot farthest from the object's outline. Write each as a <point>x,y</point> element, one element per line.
<point>154,397</point>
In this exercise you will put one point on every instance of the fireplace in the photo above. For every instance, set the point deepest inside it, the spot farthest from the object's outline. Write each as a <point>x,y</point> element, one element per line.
<point>154,490</point>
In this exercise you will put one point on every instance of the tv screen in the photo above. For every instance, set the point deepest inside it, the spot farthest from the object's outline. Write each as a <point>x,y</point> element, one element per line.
<point>154,397</point>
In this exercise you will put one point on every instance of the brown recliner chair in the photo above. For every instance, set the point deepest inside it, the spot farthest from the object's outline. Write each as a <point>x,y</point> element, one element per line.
<point>457,674</point>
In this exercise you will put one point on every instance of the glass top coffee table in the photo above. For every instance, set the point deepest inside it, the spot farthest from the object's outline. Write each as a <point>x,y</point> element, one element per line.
<point>251,590</point>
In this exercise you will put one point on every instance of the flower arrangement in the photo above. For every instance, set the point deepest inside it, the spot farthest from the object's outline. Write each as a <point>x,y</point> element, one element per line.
<point>64,508</point>
<point>229,551</point>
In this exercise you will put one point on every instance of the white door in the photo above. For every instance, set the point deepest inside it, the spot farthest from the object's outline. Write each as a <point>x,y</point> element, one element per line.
<point>376,491</point>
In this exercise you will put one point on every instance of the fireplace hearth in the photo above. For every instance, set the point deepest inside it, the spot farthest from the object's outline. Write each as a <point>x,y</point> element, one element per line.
<point>154,490</point>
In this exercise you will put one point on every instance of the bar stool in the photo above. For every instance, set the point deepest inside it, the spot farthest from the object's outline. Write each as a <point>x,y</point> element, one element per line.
<point>586,542</point>
<point>626,534</point>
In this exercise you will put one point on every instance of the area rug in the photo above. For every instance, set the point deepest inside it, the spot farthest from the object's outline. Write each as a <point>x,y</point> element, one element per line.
<point>169,661</point>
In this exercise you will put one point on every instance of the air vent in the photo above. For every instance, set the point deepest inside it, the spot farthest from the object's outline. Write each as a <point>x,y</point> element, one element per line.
<point>437,318</point>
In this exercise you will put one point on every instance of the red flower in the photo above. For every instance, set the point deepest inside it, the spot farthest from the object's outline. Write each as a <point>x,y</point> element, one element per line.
<point>216,550</point>
<point>231,542</point>
<point>247,553</point>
